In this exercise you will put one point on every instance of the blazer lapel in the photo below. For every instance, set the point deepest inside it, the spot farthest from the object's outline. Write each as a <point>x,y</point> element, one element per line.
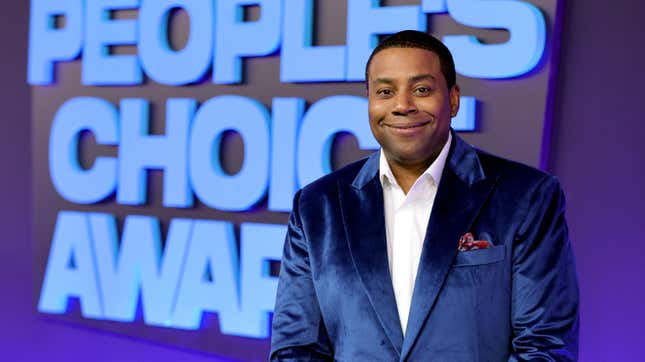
<point>462,191</point>
<point>364,223</point>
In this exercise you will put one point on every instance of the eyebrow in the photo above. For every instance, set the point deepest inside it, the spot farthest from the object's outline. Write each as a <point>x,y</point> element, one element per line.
<point>412,79</point>
<point>419,77</point>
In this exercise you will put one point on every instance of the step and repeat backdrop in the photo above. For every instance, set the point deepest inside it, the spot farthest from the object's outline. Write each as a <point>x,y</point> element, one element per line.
<point>169,137</point>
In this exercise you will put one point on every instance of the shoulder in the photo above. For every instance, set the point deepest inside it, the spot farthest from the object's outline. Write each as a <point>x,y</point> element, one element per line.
<point>528,189</point>
<point>471,165</point>
<point>515,173</point>
<point>328,185</point>
<point>345,175</point>
<point>314,200</point>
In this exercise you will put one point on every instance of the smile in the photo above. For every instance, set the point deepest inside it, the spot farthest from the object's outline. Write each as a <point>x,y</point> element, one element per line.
<point>407,126</point>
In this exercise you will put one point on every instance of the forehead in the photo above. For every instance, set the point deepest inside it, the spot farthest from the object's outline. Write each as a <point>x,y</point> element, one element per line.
<point>395,63</point>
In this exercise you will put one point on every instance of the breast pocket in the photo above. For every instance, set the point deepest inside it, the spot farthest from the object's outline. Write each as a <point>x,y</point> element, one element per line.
<point>490,255</point>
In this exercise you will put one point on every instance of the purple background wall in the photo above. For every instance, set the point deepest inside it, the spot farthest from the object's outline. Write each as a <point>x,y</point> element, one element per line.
<point>596,151</point>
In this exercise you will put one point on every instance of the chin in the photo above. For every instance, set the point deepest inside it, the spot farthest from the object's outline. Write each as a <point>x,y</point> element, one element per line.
<point>410,158</point>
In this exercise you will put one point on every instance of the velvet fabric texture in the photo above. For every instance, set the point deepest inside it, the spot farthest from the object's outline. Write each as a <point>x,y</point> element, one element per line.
<point>514,301</point>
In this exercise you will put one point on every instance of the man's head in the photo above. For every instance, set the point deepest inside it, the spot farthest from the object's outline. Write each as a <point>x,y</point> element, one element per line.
<point>412,97</point>
<point>417,39</point>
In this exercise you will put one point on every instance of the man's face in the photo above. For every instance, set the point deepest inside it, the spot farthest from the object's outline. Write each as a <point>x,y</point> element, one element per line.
<point>410,105</point>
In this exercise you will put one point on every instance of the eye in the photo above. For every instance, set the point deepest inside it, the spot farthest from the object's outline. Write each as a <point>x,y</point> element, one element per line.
<point>422,90</point>
<point>384,92</point>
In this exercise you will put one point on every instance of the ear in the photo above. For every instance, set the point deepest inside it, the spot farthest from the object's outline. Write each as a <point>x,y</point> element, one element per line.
<point>455,92</point>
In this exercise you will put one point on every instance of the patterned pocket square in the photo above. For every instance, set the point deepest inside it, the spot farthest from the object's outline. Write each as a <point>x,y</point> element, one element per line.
<point>468,242</point>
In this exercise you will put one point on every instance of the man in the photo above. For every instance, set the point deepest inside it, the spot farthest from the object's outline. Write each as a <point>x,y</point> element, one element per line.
<point>429,250</point>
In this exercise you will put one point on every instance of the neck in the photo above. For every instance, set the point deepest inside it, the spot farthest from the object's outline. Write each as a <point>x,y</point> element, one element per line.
<point>407,175</point>
<point>407,172</point>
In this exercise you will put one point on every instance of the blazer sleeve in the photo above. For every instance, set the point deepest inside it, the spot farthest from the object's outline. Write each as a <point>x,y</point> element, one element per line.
<point>544,309</point>
<point>298,333</point>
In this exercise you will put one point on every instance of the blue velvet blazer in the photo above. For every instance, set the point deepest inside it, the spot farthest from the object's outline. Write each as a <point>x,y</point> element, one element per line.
<point>515,301</point>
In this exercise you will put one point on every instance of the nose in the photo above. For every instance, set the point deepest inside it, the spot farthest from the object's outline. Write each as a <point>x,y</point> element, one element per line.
<point>404,105</point>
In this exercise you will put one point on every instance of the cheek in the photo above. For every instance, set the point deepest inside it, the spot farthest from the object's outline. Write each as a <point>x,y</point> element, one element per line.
<point>374,127</point>
<point>373,117</point>
<point>371,114</point>
<point>375,114</point>
<point>436,104</point>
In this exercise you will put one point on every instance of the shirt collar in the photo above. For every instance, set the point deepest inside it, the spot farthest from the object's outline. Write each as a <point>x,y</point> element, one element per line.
<point>435,170</point>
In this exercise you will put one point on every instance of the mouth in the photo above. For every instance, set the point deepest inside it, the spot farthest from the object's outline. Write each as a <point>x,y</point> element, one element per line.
<point>406,125</point>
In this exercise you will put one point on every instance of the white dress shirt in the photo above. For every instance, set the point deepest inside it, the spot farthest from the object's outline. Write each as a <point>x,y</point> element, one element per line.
<point>406,221</point>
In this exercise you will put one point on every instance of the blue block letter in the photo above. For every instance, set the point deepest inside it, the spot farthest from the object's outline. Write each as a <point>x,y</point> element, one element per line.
<point>236,38</point>
<point>516,57</point>
<point>287,113</point>
<point>140,151</point>
<point>366,20</point>
<point>163,64</point>
<point>211,184</point>
<point>101,32</point>
<point>70,268</point>
<point>138,264</point>
<point>299,61</point>
<point>70,180</point>
<point>210,281</point>
<point>260,243</point>
<point>48,44</point>
<point>322,121</point>
<point>465,120</point>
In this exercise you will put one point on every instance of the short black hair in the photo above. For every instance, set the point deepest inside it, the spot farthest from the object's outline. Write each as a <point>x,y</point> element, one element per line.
<point>421,40</point>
